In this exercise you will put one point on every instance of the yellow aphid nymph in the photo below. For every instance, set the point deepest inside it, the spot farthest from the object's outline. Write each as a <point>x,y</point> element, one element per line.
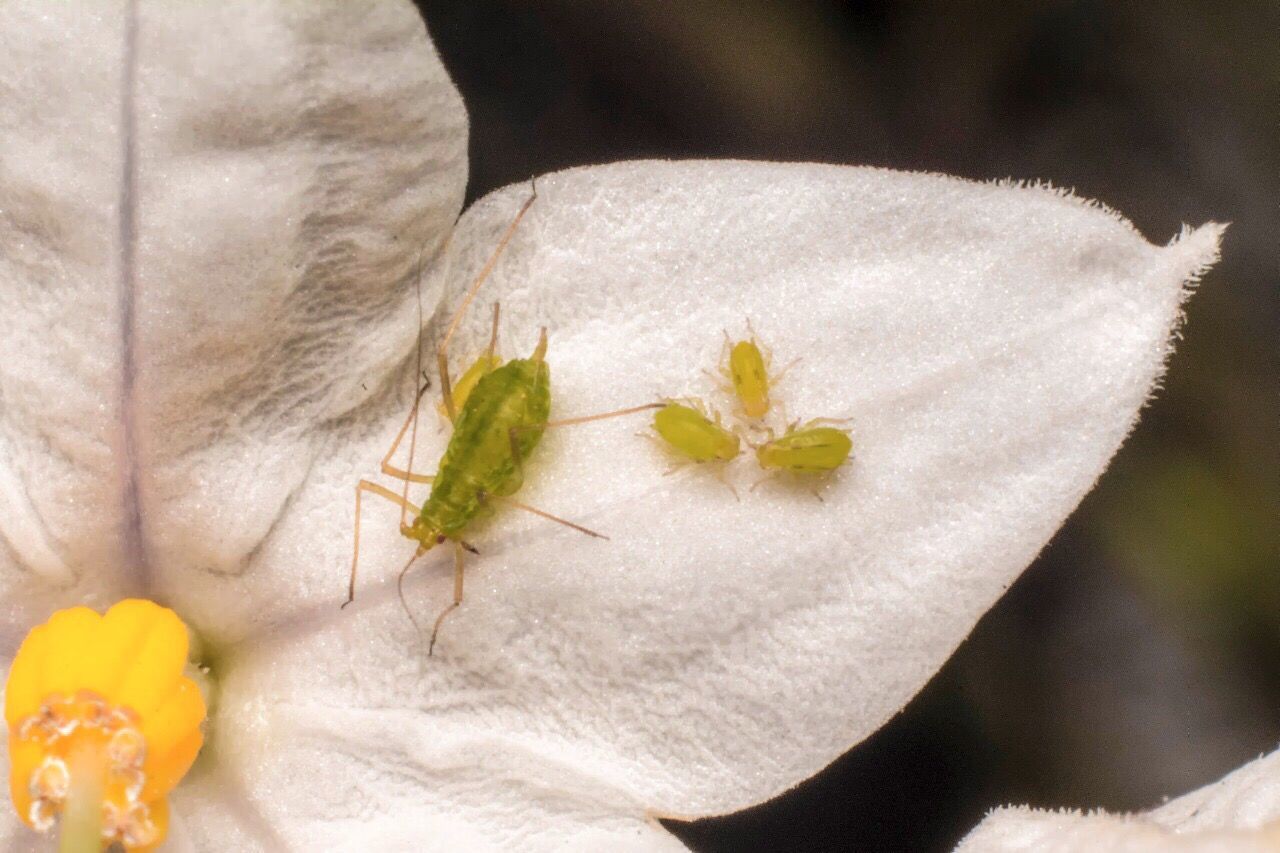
<point>806,449</point>
<point>746,365</point>
<point>750,378</point>
<point>103,723</point>
<point>689,432</point>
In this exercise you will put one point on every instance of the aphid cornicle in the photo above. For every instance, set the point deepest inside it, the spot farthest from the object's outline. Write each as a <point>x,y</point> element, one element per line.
<point>499,412</point>
<point>806,449</point>
<point>693,435</point>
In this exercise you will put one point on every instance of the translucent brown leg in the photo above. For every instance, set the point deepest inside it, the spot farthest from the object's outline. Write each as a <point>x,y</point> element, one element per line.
<point>493,335</point>
<point>515,431</point>
<point>586,419</point>
<point>782,373</point>
<point>513,437</point>
<point>442,350</point>
<point>819,421</point>
<point>542,513</point>
<point>457,596</point>
<point>720,475</point>
<point>400,473</point>
<point>362,487</point>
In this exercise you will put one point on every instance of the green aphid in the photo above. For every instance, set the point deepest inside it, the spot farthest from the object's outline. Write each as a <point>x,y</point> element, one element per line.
<point>499,412</point>
<point>690,433</point>
<point>806,449</point>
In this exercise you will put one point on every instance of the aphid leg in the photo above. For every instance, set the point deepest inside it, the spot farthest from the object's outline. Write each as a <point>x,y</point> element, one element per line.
<point>665,449</point>
<point>586,419</point>
<point>543,513</point>
<point>783,372</point>
<point>833,421</point>
<point>362,487</point>
<point>404,604</point>
<point>457,596</point>
<point>442,350</point>
<point>720,475</point>
<point>514,432</point>
<point>417,399</point>
<point>724,389</point>
<point>513,435</point>
<point>493,335</point>
<point>722,363</point>
<point>400,473</point>
<point>483,366</point>
<point>764,349</point>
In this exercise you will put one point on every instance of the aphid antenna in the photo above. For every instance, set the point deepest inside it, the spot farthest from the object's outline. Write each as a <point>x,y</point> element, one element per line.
<point>417,630</point>
<point>442,349</point>
<point>418,391</point>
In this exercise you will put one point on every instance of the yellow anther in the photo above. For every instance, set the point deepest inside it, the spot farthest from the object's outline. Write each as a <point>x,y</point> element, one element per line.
<point>99,712</point>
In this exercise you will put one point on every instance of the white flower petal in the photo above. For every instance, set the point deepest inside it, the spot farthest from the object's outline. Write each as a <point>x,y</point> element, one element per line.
<point>1239,813</point>
<point>60,328</point>
<point>212,217</point>
<point>423,788</point>
<point>993,345</point>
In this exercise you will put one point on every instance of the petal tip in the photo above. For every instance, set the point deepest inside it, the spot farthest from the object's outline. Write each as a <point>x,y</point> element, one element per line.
<point>1196,250</point>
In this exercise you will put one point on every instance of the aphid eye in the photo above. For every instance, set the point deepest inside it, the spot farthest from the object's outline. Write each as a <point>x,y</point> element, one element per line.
<point>440,540</point>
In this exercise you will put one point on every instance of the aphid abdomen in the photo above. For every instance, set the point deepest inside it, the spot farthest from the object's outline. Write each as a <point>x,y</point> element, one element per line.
<point>693,435</point>
<point>806,450</point>
<point>479,459</point>
<point>750,378</point>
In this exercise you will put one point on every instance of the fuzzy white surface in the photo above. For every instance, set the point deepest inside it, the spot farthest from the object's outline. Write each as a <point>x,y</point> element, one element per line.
<point>992,345</point>
<point>1239,813</point>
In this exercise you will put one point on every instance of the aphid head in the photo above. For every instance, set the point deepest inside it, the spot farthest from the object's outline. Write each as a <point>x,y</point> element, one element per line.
<point>424,532</point>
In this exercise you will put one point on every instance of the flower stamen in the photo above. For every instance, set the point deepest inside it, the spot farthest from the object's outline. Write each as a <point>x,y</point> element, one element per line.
<point>102,724</point>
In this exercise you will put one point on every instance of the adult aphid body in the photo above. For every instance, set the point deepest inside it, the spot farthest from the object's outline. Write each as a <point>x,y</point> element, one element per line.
<point>500,424</point>
<point>499,412</point>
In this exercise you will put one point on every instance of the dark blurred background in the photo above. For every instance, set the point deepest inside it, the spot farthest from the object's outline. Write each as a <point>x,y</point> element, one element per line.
<point>1139,656</point>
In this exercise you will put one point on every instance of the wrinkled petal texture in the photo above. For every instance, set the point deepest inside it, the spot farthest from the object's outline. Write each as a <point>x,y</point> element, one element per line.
<point>1237,814</point>
<point>992,345</point>
<point>213,214</point>
<point>211,219</point>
